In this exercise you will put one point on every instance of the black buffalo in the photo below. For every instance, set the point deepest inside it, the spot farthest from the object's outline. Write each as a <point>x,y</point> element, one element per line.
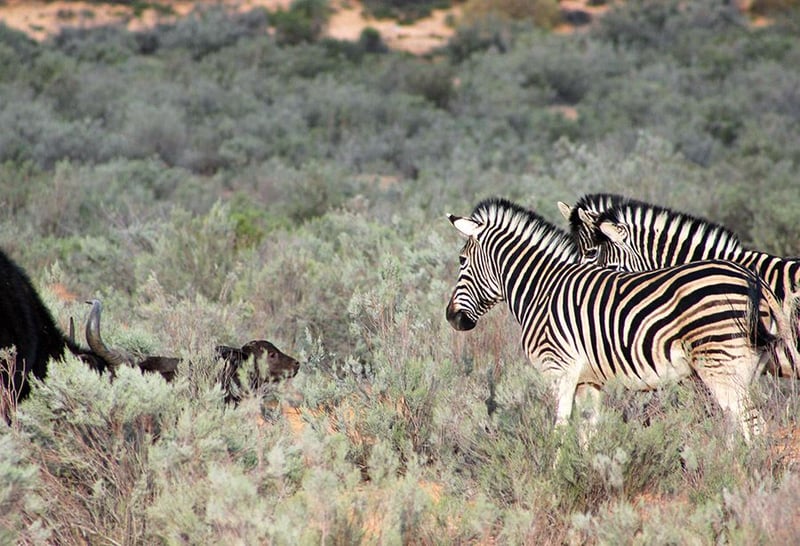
<point>26,324</point>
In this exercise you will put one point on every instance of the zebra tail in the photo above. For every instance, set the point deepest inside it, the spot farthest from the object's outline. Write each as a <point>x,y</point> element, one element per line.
<point>761,325</point>
<point>783,343</point>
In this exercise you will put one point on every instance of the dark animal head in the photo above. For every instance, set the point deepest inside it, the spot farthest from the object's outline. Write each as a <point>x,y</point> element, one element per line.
<point>278,364</point>
<point>270,365</point>
<point>27,325</point>
<point>91,359</point>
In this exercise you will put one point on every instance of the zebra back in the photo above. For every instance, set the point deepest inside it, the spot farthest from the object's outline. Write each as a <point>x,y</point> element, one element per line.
<point>631,235</point>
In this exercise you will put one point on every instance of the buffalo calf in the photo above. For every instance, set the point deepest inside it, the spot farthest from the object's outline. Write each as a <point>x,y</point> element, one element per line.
<point>270,365</point>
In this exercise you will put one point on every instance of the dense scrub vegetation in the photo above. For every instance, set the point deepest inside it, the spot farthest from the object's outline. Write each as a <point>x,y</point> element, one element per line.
<point>213,182</point>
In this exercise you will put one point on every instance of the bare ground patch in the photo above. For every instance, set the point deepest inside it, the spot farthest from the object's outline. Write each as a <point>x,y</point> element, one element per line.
<point>43,19</point>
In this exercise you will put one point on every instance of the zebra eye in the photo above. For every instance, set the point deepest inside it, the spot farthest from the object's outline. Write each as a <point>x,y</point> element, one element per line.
<point>462,260</point>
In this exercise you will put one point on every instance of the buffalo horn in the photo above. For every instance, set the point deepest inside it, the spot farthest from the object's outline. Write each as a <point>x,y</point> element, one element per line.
<point>94,340</point>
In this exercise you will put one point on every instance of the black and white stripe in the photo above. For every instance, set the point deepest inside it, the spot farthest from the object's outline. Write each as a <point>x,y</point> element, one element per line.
<point>614,231</point>
<point>583,325</point>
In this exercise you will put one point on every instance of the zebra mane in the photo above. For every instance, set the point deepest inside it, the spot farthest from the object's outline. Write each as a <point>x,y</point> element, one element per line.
<point>593,202</point>
<point>599,202</point>
<point>633,212</point>
<point>498,212</point>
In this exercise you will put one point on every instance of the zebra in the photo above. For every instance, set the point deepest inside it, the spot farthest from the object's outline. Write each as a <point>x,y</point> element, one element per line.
<point>583,325</point>
<point>630,235</point>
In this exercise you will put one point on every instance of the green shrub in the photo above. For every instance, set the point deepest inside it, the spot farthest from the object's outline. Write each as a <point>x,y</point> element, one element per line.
<point>303,22</point>
<point>191,255</point>
<point>92,438</point>
<point>23,46</point>
<point>477,37</point>
<point>434,82</point>
<point>371,41</point>
<point>104,44</point>
<point>405,11</point>
<point>155,131</point>
<point>20,502</point>
<point>198,492</point>
<point>209,30</point>
<point>543,13</point>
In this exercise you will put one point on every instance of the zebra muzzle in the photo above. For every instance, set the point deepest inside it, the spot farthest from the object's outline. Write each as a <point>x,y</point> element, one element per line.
<point>459,319</point>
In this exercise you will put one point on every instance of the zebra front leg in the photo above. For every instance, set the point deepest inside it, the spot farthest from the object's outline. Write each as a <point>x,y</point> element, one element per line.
<point>565,385</point>
<point>588,399</point>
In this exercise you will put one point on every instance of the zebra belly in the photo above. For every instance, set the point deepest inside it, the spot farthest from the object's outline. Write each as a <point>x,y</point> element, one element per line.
<point>675,368</point>
<point>638,365</point>
<point>640,375</point>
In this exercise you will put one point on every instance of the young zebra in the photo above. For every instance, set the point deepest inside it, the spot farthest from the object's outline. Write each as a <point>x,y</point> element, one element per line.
<point>615,231</point>
<point>583,325</point>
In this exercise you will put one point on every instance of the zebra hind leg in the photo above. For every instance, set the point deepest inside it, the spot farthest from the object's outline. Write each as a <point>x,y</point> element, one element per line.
<point>729,382</point>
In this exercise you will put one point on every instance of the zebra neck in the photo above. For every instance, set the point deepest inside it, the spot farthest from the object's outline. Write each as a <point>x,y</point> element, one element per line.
<point>782,275</point>
<point>531,276</point>
<point>759,262</point>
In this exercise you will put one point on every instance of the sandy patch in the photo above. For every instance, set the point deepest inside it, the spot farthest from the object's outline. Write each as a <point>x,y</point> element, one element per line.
<point>424,35</point>
<point>41,19</point>
<point>62,293</point>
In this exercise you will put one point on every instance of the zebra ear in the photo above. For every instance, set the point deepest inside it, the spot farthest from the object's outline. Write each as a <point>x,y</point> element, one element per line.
<point>614,232</point>
<point>588,217</point>
<point>465,226</point>
<point>566,210</point>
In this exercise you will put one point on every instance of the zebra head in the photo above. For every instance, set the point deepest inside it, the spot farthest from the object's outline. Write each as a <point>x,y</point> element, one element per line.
<point>614,242</point>
<point>582,226</point>
<point>614,247</point>
<point>601,240</point>
<point>478,287</point>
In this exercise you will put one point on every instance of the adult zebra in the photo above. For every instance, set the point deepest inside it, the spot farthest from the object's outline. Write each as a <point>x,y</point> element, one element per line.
<point>583,325</point>
<point>615,231</point>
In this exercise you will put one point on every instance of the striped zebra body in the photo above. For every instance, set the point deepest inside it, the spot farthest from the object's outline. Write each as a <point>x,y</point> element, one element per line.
<point>782,275</point>
<point>583,325</point>
<point>630,235</point>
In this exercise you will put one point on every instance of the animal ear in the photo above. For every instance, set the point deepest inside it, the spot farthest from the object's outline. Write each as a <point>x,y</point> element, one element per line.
<point>566,210</point>
<point>615,232</point>
<point>587,217</point>
<point>466,226</point>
